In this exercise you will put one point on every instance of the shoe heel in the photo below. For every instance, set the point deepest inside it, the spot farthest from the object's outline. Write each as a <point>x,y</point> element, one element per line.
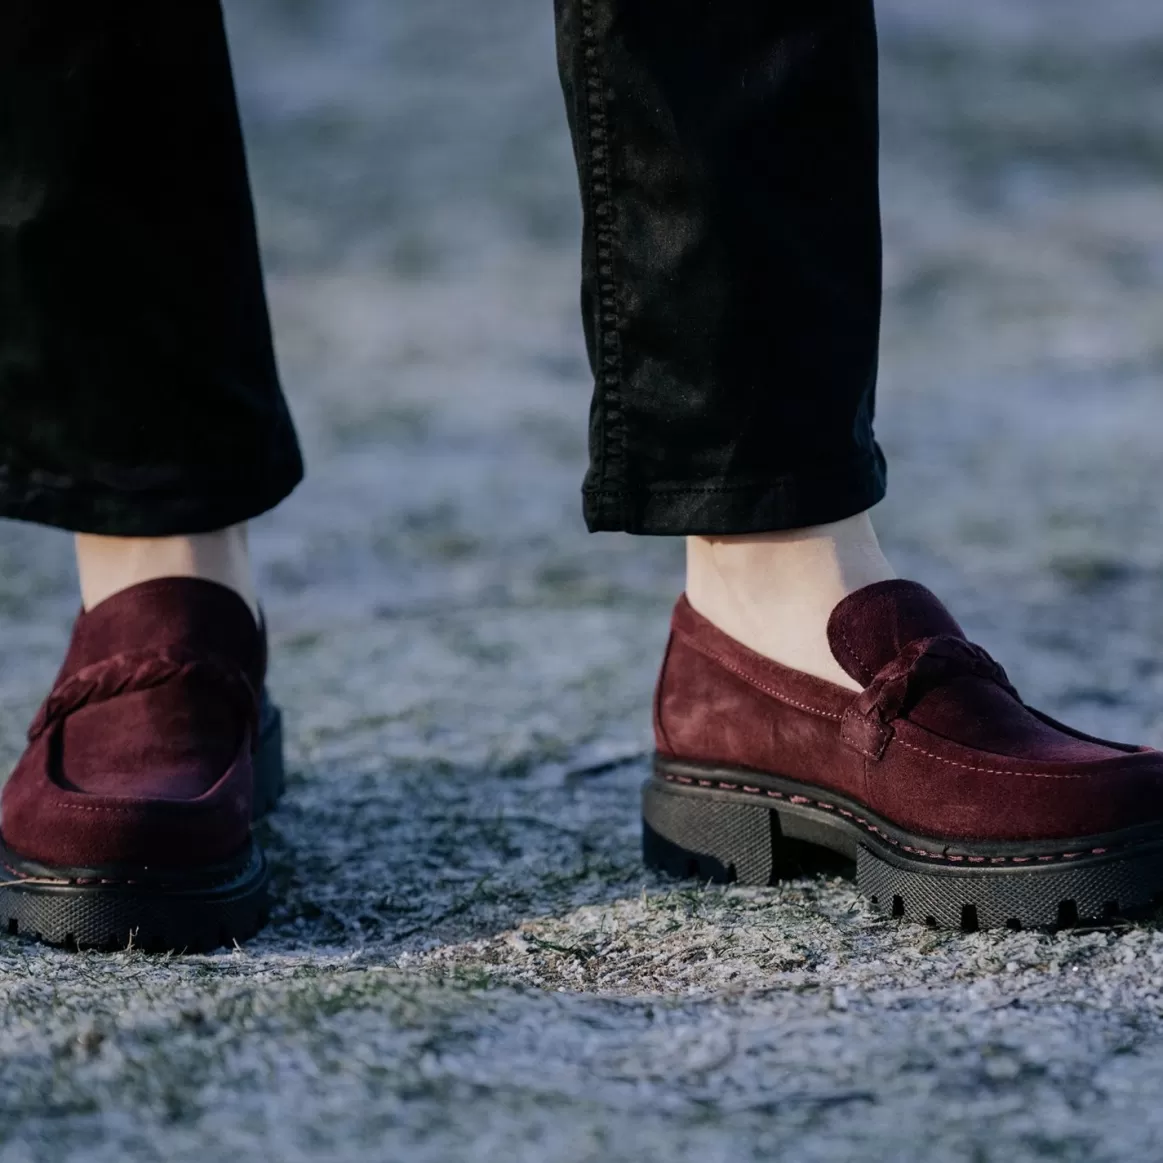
<point>708,837</point>
<point>269,773</point>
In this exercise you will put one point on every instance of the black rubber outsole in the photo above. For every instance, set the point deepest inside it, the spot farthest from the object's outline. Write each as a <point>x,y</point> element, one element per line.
<point>188,911</point>
<point>728,825</point>
<point>189,914</point>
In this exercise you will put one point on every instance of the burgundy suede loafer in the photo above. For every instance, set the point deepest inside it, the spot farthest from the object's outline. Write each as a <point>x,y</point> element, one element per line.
<point>960,805</point>
<point>127,819</point>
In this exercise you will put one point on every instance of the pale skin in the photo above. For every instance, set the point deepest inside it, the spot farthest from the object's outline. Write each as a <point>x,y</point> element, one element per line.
<point>108,565</point>
<point>773,591</point>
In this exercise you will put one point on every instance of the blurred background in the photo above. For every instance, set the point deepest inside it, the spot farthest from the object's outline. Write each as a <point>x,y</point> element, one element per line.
<point>467,674</point>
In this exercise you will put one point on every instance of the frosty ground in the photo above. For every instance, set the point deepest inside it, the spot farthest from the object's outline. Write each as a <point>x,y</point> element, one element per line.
<point>468,960</point>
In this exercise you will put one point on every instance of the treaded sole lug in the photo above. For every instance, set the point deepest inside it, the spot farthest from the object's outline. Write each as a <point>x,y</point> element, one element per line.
<point>700,822</point>
<point>1031,898</point>
<point>195,913</point>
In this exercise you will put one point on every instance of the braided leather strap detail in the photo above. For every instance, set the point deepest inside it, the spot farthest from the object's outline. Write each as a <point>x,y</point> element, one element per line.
<point>921,666</point>
<point>143,670</point>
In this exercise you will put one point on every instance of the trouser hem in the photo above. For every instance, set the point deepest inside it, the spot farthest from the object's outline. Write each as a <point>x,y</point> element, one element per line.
<point>724,507</point>
<point>97,509</point>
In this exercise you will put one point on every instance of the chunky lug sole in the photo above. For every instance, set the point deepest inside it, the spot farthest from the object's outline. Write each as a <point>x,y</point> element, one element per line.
<point>727,824</point>
<point>184,910</point>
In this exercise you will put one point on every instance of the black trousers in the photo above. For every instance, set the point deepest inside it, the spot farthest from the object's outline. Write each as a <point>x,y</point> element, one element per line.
<point>727,154</point>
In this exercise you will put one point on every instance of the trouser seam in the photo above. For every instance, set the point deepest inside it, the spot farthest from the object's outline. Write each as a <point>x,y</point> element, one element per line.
<point>608,370</point>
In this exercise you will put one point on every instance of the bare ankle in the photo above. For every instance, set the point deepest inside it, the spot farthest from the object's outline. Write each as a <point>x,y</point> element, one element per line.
<point>108,565</point>
<point>775,591</point>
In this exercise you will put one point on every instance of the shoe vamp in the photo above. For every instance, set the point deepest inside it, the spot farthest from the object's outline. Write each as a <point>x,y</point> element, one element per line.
<point>976,713</point>
<point>170,743</point>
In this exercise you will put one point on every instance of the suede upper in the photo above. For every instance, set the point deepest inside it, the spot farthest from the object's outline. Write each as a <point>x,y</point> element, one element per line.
<point>142,753</point>
<point>938,742</point>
